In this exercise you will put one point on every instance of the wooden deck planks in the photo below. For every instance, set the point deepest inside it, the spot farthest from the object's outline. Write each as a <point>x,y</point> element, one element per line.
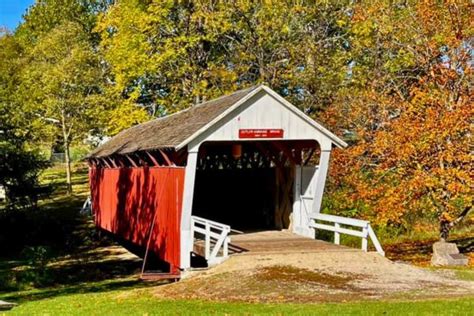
<point>282,241</point>
<point>276,242</point>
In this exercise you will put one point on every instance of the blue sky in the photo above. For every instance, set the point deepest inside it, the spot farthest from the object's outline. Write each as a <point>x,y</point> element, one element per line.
<point>11,12</point>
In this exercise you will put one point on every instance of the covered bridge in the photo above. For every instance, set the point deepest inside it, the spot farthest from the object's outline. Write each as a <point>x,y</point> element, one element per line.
<point>237,163</point>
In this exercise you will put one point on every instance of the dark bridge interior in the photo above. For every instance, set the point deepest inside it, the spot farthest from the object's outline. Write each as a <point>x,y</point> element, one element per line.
<point>248,185</point>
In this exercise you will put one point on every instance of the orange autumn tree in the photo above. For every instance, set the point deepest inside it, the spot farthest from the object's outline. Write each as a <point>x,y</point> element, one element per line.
<point>408,112</point>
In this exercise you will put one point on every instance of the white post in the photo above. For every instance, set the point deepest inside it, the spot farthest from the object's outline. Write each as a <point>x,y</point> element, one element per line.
<point>225,251</point>
<point>337,235</point>
<point>207,249</point>
<point>321,180</point>
<point>375,241</point>
<point>296,215</point>
<point>188,195</point>
<point>365,232</point>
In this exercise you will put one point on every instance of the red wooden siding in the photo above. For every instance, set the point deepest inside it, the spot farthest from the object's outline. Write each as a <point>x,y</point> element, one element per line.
<point>125,200</point>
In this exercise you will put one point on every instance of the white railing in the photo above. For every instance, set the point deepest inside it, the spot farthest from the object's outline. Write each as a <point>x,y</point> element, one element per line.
<point>216,239</point>
<point>365,232</point>
<point>86,208</point>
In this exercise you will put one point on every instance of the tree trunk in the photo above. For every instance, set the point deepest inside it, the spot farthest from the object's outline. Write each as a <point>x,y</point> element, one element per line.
<point>67,156</point>
<point>444,228</point>
<point>445,224</point>
<point>68,166</point>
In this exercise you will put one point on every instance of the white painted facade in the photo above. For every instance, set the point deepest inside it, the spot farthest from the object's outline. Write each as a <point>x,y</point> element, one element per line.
<point>263,109</point>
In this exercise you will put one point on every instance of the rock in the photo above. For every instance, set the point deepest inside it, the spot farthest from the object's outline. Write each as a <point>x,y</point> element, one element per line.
<point>442,248</point>
<point>4,306</point>
<point>447,254</point>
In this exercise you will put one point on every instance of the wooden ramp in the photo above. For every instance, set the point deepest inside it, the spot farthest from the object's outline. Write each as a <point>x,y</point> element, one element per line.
<point>279,242</point>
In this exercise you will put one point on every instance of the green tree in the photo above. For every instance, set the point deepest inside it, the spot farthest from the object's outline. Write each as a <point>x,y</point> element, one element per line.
<point>19,164</point>
<point>167,55</point>
<point>299,49</point>
<point>62,85</point>
<point>46,15</point>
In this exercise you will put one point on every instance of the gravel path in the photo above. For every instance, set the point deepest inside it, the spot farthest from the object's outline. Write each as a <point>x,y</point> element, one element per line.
<point>311,277</point>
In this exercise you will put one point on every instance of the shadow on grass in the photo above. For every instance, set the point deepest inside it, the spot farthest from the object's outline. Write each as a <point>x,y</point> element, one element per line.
<point>54,250</point>
<point>465,244</point>
<point>56,224</point>
<point>84,265</point>
<point>88,269</point>
<point>98,287</point>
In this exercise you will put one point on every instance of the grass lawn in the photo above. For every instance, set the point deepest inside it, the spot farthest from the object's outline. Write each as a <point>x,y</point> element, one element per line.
<point>109,301</point>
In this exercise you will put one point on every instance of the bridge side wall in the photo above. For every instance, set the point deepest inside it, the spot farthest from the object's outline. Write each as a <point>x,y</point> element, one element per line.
<point>126,202</point>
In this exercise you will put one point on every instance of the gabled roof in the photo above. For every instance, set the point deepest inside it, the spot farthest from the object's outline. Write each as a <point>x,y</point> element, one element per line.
<point>179,129</point>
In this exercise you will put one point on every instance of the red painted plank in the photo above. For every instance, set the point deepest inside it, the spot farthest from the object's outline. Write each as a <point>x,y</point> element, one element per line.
<point>125,200</point>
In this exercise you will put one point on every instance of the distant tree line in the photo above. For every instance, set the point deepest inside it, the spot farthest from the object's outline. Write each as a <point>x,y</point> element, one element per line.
<point>391,77</point>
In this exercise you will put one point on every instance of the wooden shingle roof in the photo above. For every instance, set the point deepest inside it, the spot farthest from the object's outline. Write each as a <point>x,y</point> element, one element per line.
<point>169,131</point>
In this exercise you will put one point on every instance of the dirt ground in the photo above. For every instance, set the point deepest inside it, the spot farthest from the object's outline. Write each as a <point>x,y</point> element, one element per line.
<point>314,277</point>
